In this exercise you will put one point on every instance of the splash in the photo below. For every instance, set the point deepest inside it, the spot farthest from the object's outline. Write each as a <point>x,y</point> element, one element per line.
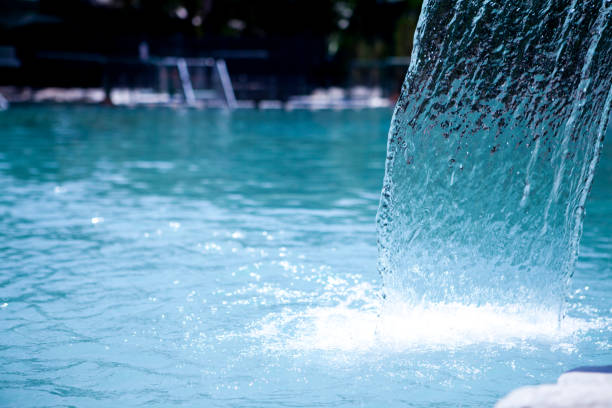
<point>387,327</point>
<point>492,150</point>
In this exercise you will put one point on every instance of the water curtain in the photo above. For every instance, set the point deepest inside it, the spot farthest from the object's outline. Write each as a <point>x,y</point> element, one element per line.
<point>492,151</point>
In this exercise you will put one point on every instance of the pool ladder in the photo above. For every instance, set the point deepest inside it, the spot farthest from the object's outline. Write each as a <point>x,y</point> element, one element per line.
<point>181,66</point>
<point>3,103</point>
<point>221,71</point>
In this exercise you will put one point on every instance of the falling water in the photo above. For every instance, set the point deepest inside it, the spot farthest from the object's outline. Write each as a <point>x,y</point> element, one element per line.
<point>492,151</point>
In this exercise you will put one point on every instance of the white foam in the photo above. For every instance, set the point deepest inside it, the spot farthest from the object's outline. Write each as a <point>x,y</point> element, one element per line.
<point>402,327</point>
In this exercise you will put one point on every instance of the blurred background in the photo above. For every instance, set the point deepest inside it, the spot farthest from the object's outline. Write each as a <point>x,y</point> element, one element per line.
<point>206,53</point>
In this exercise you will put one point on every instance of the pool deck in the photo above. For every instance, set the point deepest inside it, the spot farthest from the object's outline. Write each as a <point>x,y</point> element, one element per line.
<point>320,99</point>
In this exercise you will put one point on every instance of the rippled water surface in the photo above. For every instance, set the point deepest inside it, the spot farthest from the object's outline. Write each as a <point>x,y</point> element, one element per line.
<point>182,258</point>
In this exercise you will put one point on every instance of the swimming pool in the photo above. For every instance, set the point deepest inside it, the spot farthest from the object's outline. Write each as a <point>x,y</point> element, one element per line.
<point>189,258</point>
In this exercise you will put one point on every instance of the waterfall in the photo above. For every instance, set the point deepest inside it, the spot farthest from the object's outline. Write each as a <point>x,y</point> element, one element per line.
<point>492,150</point>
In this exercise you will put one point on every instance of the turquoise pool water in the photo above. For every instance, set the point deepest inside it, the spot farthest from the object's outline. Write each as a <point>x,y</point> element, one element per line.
<point>183,258</point>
